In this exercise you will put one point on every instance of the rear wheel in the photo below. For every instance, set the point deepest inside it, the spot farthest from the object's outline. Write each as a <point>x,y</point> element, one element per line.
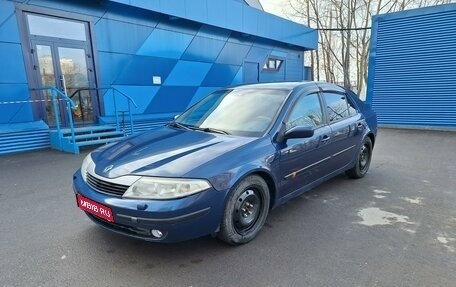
<point>245,212</point>
<point>363,160</point>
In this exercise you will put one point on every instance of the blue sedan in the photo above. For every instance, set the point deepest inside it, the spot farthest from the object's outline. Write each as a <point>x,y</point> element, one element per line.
<point>224,163</point>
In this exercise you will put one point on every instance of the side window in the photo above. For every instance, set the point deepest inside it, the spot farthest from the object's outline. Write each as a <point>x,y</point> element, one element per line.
<point>337,106</point>
<point>306,112</point>
<point>352,110</point>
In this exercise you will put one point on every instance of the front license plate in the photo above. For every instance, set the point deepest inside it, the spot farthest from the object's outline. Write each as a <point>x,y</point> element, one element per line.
<point>95,208</point>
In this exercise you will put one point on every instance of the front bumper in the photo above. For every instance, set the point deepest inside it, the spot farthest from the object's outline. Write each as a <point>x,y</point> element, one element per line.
<point>178,219</point>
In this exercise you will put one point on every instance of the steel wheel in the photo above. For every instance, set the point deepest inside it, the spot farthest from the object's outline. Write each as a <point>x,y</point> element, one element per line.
<point>245,211</point>
<point>363,160</point>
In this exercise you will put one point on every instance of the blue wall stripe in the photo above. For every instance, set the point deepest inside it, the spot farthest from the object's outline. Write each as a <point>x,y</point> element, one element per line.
<point>187,73</point>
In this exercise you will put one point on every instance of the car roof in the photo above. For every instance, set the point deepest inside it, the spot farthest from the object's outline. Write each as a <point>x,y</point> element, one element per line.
<point>289,85</point>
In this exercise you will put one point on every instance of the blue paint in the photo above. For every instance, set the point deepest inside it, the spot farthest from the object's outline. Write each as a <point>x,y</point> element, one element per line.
<point>412,78</point>
<point>220,75</point>
<point>187,73</point>
<point>228,14</point>
<point>166,44</point>
<point>9,31</point>
<point>140,70</point>
<point>14,112</point>
<point>233,54</point>
<point>171,99</point>
<point>120,37</point>
<point>12,64</point>
<point>211,48</point>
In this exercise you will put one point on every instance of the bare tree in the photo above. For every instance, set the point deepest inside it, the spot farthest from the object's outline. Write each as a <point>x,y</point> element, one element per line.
<point>344,34</point>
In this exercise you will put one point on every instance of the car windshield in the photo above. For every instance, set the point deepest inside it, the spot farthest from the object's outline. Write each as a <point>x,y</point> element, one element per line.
<point>242,112</point>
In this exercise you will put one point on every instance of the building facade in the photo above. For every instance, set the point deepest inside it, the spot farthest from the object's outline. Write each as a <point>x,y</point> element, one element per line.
<point>157,56</point>
<point>412,68</point>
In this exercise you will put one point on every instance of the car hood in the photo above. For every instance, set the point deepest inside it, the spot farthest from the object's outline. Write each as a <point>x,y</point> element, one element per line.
<point>167,152</point>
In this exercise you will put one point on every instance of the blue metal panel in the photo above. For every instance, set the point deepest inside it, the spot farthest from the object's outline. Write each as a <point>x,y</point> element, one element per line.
<point>120,37</point>
<point>111,64</point>
<point>87,7</point>
<point>178,25</point>
<point>171,99</point>
<point>8,30</point>
<point>412,78</point>
<point>251,72</point>
<point>258,54</point>
<point>203,49</point>
<point>141,70</point>
<point>23,137</point>
<point>6,11</point>
<point>168,44</point>
<point>142,95</point>
<point>228,14</point>
<point>187,73</point>
<point>239,78</point>
<point>12,64</point>
<point>214,33</point>
<point>201,93</point>
<point>220,75</point>
<point>233,54</point>
<point>132,15</point>
<point>12,107</point>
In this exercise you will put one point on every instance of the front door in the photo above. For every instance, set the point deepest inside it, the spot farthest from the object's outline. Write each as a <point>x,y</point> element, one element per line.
<point>63,60</point>
<point>304,161</point>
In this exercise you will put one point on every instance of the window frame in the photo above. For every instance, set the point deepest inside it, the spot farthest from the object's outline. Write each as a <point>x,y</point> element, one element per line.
<point>266,67</point>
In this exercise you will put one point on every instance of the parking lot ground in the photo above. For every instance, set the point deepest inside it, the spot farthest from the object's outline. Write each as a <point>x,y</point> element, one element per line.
<point>395,227</point>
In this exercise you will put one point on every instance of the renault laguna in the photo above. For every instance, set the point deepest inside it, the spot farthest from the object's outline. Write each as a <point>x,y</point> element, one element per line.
<point>220,167</point>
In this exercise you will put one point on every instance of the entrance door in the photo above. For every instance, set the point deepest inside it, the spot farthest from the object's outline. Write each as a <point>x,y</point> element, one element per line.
<point>64,60</point>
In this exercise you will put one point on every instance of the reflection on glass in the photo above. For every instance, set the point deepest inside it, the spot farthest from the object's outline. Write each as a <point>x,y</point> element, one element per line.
<point>46,66</point>
<point>244,112</point>
<point>73,66</point>
<point>55,27</point>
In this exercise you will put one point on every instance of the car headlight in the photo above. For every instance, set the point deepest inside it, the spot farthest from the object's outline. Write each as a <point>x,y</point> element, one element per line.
<point>165,188</point>
<point>85,164</point>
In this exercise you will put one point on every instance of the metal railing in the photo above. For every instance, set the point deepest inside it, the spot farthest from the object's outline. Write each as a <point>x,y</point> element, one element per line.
<point>55,93</point>
<point>117,113</point>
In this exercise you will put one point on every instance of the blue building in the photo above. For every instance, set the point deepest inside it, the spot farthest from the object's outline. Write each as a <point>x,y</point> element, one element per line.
<point>412,68</point>
<point>76,73</point>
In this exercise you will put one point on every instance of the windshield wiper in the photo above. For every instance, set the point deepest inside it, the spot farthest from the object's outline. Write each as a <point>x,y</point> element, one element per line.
<point>178,125</point>
<point>208,130</point>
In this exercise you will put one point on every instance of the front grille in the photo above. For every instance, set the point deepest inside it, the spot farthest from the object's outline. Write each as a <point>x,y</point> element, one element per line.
<point>106,186</point>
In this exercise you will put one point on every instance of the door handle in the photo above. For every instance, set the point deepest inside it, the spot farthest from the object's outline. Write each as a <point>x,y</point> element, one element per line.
<point>360,126</point>
<point>325,138</point>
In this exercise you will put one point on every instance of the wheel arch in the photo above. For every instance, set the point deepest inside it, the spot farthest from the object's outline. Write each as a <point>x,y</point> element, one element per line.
<point>372,138</point>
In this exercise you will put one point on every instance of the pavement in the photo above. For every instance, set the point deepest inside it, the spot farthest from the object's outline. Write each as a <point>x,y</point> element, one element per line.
<point>395,227</point>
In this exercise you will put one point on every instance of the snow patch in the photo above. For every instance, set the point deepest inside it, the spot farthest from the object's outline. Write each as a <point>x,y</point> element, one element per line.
<point>375,216</point>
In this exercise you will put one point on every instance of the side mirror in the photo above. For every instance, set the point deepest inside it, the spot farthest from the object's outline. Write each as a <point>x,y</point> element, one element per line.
<point>299,132</point>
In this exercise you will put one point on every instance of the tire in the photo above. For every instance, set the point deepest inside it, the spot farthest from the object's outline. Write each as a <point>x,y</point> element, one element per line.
<point>245,211</point>
<point>363,160</point>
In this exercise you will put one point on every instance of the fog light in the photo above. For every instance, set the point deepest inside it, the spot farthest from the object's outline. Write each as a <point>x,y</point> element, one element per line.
<point>157,233</point>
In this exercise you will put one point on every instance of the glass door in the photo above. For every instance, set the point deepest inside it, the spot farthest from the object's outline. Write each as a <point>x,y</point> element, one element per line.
<point>63,59</point>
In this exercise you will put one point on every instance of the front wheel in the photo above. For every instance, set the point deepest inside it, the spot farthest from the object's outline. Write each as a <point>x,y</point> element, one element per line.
<point>245,212</point>
<point>363,160</point>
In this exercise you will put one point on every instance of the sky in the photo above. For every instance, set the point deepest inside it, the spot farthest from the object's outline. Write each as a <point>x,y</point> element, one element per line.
<point>274,6</point>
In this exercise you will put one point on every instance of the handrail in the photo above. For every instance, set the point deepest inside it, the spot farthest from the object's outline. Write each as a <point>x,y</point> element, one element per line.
<point>70,106</point>
<point>114,90</point>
